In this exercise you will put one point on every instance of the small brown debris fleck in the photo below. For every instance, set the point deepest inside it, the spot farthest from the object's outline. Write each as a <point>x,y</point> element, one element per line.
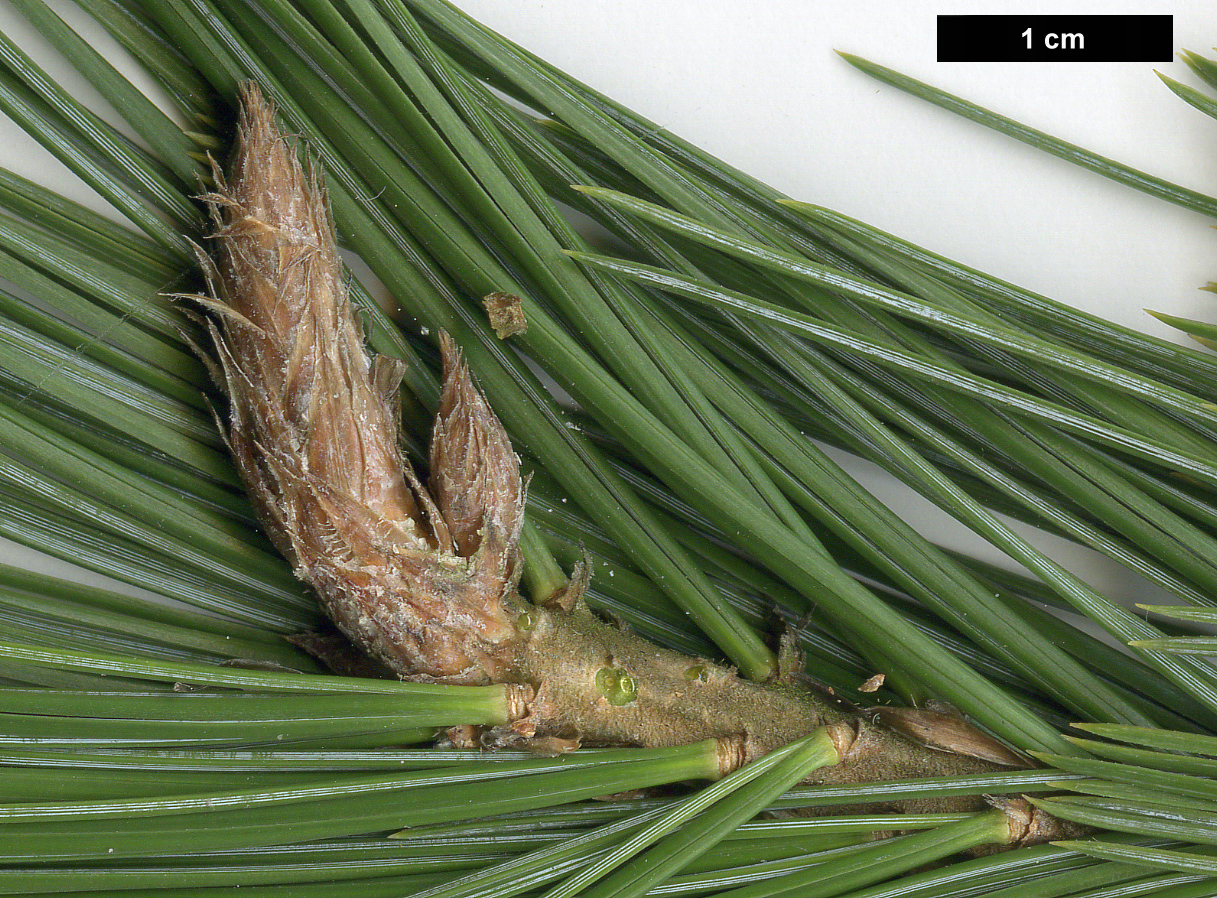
<point>464,737</point>
<point>873,684</point>
<point>506,313</point>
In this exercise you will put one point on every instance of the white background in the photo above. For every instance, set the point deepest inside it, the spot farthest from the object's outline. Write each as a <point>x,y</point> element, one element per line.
<point>763,89</point>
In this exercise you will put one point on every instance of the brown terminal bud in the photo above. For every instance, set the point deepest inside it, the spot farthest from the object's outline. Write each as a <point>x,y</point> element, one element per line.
<point>313,429</point>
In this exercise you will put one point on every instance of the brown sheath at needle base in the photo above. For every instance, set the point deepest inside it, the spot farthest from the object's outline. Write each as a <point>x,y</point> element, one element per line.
<point>424,578</point>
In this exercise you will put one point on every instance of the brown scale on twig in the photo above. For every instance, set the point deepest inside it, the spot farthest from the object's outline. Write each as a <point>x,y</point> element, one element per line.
<point>423,579</point>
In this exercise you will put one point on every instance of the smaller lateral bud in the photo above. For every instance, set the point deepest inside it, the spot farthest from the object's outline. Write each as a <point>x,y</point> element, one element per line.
<point>475,474</point>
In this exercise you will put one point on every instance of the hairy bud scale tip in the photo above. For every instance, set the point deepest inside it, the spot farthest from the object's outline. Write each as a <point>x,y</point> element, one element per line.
<point>420,583</point>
